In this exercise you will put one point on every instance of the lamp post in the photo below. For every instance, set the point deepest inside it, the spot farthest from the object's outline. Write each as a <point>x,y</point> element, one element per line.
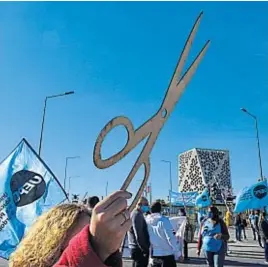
<point>170,177</point>
<point>106,188</point>
<point>70,177</point>
<point>65,173</point>
<point>44,115</point>
<point>170,182</point>
<point>258,139</point>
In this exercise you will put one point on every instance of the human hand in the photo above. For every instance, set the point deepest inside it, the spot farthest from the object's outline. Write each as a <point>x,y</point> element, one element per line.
<point>109,223</point>
<point>198,253</point>
<point>218,236</point>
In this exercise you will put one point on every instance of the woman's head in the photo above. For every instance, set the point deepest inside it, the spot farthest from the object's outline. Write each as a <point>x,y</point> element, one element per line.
<point>49,236</point>
<point>213,213</point>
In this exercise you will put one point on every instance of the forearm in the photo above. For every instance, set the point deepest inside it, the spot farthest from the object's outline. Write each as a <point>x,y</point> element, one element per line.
<point>199,242</point>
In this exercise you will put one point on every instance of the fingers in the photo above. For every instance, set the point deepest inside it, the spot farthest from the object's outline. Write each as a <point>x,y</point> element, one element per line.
<point>104,204</point>
<point>119,205</point>
<point>126,226</point>
<point>122,217</point>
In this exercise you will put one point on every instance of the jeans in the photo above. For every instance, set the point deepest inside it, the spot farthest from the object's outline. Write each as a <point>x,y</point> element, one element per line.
<point>253,231</point>
<point>215,259</point>
<point>225,248</point>
<point>243,230</point>
<point>139,259</point>
<point>265,249</point>
<point>164,261</point>
<point>185,250</point>
<point>238,231</point>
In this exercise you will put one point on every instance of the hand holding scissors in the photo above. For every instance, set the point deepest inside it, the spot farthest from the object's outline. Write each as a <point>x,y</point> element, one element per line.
<point>151,128</point>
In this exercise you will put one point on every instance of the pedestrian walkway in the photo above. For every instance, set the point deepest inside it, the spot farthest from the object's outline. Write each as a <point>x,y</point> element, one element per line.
<point>242,254</point>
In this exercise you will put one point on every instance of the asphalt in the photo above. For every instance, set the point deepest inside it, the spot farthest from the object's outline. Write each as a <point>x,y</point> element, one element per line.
<point>243,254</point>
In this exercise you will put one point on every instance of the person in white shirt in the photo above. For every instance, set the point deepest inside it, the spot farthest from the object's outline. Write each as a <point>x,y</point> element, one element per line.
<point>164,246</point>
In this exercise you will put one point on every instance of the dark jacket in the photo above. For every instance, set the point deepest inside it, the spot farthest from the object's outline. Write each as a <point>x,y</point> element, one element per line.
<point>138,236</point>
<point>224,232</point>
<point>264,229</point>
<point>238,220</point>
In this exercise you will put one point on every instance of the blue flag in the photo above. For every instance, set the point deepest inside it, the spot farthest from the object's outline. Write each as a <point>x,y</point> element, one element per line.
<point>203,200</point>
<point>27,189</point>
<point>253,197</point>
<point>183,198</point>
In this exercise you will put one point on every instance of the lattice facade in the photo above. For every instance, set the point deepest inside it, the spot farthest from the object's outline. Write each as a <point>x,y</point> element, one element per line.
<point>198,167</point>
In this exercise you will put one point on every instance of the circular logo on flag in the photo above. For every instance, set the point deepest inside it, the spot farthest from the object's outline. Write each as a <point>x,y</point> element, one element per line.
<point>260,191</point>
<point>27,187</point>
<point>204,198</point>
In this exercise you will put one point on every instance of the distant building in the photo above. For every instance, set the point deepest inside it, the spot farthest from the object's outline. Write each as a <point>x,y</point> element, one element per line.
<point>198,167</point>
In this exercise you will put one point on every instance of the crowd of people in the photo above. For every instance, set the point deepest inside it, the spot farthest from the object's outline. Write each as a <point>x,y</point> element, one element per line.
<point>258,223</point>
<point>92,233</point>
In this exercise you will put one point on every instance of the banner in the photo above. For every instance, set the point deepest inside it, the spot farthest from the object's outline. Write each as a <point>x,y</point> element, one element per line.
<point>181,199</point>
<point>27,189</point>
<point>254,197</point>
<point>203,200</point>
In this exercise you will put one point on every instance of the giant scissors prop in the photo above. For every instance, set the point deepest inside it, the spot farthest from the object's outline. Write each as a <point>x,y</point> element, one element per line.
<point>151,128</point>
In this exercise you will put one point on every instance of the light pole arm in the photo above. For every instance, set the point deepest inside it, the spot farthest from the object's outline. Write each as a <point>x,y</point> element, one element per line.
<point>44,115</point>
<point>42,128</point>
<point>258,139</point>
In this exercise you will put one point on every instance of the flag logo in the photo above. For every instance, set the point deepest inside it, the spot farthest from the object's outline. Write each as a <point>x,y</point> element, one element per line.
<point>260,191</point>
<point>27,187</point>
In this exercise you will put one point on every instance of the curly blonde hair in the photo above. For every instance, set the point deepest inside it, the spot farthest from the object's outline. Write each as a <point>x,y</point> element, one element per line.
<point>44,243</point>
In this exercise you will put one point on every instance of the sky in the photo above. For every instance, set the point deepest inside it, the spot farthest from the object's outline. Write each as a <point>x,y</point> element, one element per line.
<point>118,57</point>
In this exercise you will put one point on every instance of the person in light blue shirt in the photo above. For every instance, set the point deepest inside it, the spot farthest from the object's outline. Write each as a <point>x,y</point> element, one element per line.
<point>213,235</point>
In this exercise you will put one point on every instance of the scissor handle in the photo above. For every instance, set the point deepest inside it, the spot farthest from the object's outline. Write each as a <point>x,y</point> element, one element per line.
<point>130,177</point>
<point>117,121</point>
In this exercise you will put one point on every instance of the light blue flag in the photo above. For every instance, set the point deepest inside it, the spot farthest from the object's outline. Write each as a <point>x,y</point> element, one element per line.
<point>203,200</point>
<point>253,197</point>
<point>27,189</point>
<point>183,198</point>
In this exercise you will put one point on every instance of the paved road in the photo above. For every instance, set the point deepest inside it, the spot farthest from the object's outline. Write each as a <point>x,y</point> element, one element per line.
<point>244,254</point>
<point>3,263</point>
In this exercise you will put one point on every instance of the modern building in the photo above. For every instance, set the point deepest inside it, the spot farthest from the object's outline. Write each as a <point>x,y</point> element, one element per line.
<point>200,168</point>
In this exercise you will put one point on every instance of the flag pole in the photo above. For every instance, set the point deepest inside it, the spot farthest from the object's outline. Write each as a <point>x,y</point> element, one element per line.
<point>223,197</point>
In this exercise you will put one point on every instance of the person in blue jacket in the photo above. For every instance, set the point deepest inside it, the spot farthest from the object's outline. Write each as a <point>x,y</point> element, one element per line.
<point>213,235</point>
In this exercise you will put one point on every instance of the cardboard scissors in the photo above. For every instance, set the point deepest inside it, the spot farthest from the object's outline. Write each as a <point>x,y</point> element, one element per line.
<point>151,128</point>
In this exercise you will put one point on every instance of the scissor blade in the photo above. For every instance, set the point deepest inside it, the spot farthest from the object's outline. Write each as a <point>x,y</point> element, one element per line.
<point>185,52</point>
<point>191,70</point>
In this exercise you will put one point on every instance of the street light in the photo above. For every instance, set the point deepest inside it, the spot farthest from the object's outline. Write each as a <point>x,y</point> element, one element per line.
<point>70,183</point>
<point>258,139</point>
<point>170,178</point>
<point>170,181</point>
<point>44,114</point>
<point>106,189</point>
<point>66,165</point>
